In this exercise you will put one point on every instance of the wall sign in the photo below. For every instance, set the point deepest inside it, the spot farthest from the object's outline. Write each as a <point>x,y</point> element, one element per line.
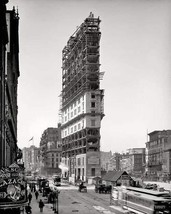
<point>13,187</point>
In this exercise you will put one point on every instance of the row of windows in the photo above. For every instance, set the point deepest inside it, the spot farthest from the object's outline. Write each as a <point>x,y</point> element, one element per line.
<point>77,109</point>
<point>53,159</point>
<point>74,105</point>
<point>80,161</point>
<point>73,113</point>
<point>78,127</point>
<point>74,128</point>
<point>93,96</point>
<point>157,142</point>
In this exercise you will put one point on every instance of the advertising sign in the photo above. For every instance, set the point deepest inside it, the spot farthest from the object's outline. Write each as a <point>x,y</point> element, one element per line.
<point>93,160</point>
<point>13,187</point>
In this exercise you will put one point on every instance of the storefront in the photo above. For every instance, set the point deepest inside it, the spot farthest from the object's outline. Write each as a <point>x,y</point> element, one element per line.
<point>13,190</point>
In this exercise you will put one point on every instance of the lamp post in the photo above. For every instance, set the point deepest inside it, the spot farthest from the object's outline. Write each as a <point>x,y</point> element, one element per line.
<point>56,202</point>
<point>53,201</point>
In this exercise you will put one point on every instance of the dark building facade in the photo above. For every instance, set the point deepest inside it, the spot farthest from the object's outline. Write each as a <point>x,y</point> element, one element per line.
<point>9,73</point>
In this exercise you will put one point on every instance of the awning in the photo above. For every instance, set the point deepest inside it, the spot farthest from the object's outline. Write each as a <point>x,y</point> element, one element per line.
<point>11,206</point>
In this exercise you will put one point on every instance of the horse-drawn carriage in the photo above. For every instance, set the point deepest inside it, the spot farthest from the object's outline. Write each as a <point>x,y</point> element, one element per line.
<point>102,188</point>
<point>82,187</point>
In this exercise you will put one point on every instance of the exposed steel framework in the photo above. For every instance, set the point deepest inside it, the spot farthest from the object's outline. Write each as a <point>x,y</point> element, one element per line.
<point>80,60</point>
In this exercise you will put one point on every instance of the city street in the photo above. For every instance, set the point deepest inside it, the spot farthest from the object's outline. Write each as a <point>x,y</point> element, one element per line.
<point>73,201</point>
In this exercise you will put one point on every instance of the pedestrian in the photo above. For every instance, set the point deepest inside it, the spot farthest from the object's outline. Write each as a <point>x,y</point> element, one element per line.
<point>29,197</point>
<point>41,205</point>
<point>28,209</point>
<point>36,194</point>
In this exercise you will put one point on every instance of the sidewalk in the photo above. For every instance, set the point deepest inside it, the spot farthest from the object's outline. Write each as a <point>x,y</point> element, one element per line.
<point>35,205</point>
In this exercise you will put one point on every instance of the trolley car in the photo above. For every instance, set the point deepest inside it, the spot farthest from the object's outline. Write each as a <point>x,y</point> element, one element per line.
<point>143,201</point>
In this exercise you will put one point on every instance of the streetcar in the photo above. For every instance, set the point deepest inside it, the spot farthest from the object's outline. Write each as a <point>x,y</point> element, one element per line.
<point>165,194</point>
<point>56,180</point>
<point>143,201</point>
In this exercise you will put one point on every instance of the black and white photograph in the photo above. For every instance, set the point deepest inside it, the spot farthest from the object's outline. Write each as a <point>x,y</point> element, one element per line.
<point>85,106</point>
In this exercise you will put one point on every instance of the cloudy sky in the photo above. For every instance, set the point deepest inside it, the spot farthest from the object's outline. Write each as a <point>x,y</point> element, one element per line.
<point>135,54</point>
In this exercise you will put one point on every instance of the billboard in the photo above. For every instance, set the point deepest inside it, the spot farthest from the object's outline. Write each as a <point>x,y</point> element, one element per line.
<point>13,187</point>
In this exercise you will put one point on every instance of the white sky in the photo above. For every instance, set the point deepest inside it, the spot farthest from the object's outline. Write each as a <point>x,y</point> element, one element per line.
<point>135,55</point>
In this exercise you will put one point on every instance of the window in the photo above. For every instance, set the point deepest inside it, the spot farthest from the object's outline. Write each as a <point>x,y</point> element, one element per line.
<point>79,126</point>
<point>79,162</point>
<point>79,109</point>
<point>92,104</point>
<point>75,128</point>
<point>75,111</point>
<point>92,171</point>
<point>93,96</point>
<point>92,122</point>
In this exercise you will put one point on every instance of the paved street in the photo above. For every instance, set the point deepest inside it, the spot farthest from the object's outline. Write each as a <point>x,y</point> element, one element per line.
<point>72,201</point>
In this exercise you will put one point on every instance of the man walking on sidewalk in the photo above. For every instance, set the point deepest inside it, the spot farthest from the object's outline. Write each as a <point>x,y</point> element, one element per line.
<point>36,194</point>
<point>29,197</point>
<point>41,205</point>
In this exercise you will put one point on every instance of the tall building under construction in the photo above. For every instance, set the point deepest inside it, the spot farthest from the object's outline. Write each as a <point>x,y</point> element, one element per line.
<point>82,106</point>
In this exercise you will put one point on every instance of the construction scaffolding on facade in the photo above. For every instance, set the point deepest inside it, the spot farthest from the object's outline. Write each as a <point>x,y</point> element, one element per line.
<point>81,60</point>
<point>81,80</point>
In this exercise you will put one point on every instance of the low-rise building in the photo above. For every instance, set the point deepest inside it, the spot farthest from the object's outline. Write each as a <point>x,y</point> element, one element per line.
<point>159,155</point>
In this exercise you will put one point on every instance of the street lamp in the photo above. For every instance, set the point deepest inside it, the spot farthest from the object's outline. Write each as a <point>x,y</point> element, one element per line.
<point>53,204</point>
<point>56,202</point>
